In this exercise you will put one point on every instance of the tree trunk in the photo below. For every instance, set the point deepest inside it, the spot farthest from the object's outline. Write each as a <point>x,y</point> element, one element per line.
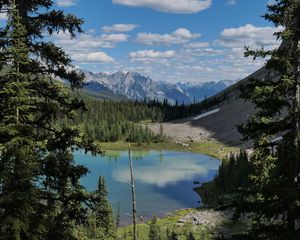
<point>133,197</point>
<point>294,164</point>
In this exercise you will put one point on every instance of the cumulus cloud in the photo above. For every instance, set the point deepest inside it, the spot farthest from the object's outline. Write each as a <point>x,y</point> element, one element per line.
<point>151,54</point>
<point>85,48</point>
<point>112,39</point>
<point>249,35</point>
<point>98,57</point>
<point>180,36</point>
<point>197,45</point>
<point>88,41</point>
<point>170,6</point>
<point>66,3</point>
<point>119,28</point>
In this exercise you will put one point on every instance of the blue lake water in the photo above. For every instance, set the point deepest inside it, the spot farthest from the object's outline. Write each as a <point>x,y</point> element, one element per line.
<point>164,179</point>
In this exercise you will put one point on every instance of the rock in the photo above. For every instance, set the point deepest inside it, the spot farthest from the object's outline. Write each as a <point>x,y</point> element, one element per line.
<point>208,218</point>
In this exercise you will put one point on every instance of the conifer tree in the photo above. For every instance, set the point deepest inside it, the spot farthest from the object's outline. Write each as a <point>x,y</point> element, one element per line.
<point>40,194</point>
<point>18,194</point>
<point>103,210</point>
<point>273,197</point>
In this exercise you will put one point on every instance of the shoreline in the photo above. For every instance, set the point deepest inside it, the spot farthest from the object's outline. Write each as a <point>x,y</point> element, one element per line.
<point>201,221</point>
<point>207,147</point>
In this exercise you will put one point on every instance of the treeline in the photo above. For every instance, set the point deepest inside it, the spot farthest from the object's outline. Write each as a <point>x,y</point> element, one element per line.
<point>175,111</point>
<point>110,121</point>
<point>233,175</point>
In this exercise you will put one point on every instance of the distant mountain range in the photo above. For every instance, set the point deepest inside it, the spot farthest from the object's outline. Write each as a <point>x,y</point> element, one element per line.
<point>133,85</point>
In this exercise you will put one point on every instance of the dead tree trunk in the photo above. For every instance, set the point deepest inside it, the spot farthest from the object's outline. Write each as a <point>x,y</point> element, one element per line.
<point>132,185</point>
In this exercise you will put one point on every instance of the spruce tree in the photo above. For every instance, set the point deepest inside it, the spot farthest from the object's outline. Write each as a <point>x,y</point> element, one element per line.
<point>40,194</point>
<point>273,196</point>
<point>103,210</point>
<point>18,195</point>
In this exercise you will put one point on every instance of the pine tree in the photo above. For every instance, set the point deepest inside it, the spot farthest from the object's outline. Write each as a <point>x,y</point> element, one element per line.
<point>18,194</point>
<point>103,210</point>
<point>273,198</point>
<point>40,194</point>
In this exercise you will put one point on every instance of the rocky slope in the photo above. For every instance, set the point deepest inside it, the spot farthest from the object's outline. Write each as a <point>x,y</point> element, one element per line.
<point>221,125</point>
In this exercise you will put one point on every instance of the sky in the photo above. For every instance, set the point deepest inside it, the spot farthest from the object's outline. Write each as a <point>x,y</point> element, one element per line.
<point>168,40</point>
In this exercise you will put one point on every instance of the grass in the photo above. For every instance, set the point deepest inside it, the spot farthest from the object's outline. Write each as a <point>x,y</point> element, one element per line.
<point>168,222</point>
<point>211,148</point>
<point>201,232</point>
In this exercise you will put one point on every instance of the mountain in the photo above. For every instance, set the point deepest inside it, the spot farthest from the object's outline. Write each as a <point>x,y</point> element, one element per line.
<point>199,92</point>
<point>133,85</point>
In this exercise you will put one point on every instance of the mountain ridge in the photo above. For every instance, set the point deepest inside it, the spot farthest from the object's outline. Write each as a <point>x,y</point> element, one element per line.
<point>135,86</point>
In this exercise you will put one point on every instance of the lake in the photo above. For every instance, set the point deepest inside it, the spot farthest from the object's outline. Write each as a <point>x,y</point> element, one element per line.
<point>164,179</point>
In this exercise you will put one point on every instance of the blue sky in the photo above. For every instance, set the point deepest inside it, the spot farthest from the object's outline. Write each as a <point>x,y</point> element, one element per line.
<point>169,40</point>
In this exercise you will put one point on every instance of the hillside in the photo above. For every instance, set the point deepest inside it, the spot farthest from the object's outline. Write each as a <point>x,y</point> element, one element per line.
<point>221,124</point>
<point>103,94</point>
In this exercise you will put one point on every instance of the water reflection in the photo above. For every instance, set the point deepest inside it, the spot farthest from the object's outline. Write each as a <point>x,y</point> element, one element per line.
<point>168,172</point>
<point>164,180</point>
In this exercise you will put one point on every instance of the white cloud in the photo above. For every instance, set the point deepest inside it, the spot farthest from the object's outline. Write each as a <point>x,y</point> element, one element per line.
<point>151,54</point>
<point>180,36</point>
<point>171,6</point>
<point>198,68</point>
<point>99,57</point>
<point>197,45</point>
<point>119,28</point>
<point>114,38</point>
<point>207,52</point>
<point>88,41</point>
<point>249,35</point>
<point>66,3</point>
<point>85,48</point>
<point>3,16</point>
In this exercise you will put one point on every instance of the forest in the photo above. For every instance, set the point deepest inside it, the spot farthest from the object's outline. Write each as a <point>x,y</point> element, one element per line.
<point>111,121</point>
<point>126,120</point>
<point>233,174</point>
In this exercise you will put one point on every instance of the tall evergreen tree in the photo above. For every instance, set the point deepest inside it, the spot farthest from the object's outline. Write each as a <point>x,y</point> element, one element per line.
<point>103,210</point>
<point>40,194</point>
<point>18,195</point>
<point>273,198</point>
